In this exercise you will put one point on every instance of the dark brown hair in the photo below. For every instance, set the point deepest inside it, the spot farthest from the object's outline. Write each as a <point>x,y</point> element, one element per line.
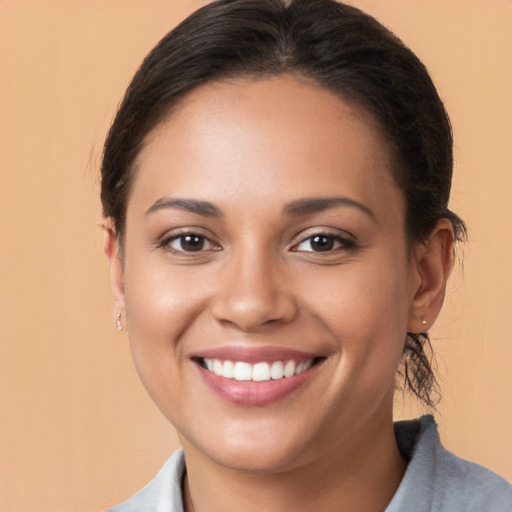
<point>338,47</point>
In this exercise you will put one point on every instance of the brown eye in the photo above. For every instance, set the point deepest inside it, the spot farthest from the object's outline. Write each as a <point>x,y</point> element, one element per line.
<point>321,243</point>
<point>189,242</point>
<point>192,243</point>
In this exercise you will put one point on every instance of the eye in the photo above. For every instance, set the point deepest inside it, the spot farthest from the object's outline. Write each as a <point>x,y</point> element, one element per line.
<point>189,242</point>
<point>323,242</point>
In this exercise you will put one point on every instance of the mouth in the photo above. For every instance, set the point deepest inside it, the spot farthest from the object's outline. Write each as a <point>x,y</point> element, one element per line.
<point>256,377</point>
<point>262,371</point>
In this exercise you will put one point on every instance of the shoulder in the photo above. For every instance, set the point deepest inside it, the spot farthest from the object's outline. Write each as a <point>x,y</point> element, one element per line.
<point>458,482</point>
<point>436,479</point>
<point>162,493</point>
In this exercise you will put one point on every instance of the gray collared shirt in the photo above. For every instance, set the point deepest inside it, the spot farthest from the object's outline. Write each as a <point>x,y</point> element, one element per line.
<point>435,479</point>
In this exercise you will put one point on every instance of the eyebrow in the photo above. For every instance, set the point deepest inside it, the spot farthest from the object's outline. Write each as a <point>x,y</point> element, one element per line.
<point>294,208</point>
<point>318,204</point>
<point>204,208</point>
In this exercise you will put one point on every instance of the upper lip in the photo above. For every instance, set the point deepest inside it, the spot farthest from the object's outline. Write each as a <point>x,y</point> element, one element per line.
<point>254,354</point>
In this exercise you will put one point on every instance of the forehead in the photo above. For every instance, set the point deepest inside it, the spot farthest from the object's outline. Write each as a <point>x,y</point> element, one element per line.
<point>227,139</point>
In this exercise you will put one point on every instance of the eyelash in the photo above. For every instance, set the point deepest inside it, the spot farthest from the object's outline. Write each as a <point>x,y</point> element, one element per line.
<point>166,243</point>
<point>330,238</point>
<point>344,242</point>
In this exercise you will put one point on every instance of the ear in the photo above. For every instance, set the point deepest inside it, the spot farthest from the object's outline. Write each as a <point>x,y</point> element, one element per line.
<point>111,249</point>
<point>433,264</point>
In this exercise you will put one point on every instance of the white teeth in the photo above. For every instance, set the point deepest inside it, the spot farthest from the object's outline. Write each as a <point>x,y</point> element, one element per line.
<point>258,372</point>
<point>228,370</point>
<point>277,370</point>
<point>243,371</point>
<point>261,371</point>
<point>289,369</point>
<point>217,367</point>
<point>302,367</point>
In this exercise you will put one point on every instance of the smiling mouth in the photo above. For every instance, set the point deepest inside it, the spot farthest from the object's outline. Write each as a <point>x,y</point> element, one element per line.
<point>257,372</point>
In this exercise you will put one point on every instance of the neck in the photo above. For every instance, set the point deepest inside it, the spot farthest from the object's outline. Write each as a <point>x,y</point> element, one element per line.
<point>360,475</point>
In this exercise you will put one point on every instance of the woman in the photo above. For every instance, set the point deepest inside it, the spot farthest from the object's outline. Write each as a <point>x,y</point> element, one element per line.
<point>275,187</point>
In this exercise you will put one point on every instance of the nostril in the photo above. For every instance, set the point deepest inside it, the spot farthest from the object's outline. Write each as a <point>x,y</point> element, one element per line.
<point>252,296</point>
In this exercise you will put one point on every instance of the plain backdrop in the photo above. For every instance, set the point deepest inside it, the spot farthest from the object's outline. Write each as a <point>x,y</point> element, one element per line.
<point>77,431</point>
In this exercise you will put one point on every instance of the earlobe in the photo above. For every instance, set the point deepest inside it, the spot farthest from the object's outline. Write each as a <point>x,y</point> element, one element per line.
<point>110,247</point>
<point>433,265</point>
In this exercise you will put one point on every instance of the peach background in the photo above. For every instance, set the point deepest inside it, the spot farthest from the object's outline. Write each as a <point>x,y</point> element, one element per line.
<point>77,431</point>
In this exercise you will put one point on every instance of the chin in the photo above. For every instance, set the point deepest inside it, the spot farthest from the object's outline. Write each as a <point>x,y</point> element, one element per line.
<point>255,459</point>
<point>255,451</point>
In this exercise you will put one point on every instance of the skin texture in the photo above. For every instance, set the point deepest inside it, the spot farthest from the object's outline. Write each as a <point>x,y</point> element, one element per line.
<point>252,148</point>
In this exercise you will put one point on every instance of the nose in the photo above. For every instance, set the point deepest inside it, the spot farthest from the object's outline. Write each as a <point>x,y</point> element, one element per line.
<point>253,294</point>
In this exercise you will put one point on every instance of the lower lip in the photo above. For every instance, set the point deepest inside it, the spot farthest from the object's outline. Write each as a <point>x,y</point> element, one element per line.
<point>255,393</point>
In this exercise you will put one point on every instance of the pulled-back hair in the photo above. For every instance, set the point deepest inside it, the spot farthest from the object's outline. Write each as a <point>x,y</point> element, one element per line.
<point>339,48</point>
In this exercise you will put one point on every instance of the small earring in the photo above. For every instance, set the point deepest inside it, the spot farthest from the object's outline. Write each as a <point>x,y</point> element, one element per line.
<point>423,321</point>
<point>118,322</point>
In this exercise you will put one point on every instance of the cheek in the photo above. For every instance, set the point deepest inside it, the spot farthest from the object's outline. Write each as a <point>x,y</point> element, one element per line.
<point>366,309</point>
<point>161,299</point>
<point>160,307</point>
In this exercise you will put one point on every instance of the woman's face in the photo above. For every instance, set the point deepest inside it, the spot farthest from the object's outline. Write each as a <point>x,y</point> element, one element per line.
<point>266,282</point>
